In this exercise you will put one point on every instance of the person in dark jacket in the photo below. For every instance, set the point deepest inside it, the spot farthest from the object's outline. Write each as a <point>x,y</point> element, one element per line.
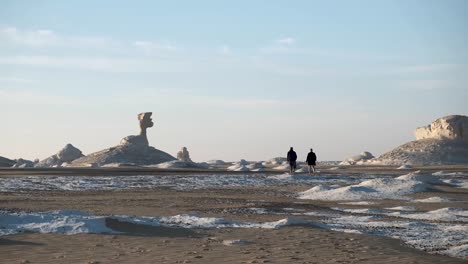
<point>292,157</point>
<point>311,160</point>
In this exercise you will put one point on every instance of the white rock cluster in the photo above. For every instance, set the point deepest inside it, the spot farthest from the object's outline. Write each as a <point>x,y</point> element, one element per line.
<point>216,162</point>
<point>275,161</point>
<point>358,159</point>
<point>244,165</point>
<point>180,164</point>
<point>22,163</point>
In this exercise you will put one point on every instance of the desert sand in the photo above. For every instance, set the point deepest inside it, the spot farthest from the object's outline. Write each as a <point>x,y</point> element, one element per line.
<point>301,243</point>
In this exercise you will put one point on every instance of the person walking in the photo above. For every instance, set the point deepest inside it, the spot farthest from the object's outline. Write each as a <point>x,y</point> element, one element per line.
<point>292,157</point>
<point>311,161</point>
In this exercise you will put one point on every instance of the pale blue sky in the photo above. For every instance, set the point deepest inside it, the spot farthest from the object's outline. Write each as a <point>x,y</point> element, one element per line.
<point>229,80</point>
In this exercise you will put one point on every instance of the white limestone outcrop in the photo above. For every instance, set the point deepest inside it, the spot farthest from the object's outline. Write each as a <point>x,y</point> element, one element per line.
<point>358,159</point>
<point>443,142</point>
<point>68,154</point>
<point>448,127</point>
<point>133,149</point>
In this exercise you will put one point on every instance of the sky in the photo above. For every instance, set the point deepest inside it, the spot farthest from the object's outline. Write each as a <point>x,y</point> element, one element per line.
<point>229,80</point>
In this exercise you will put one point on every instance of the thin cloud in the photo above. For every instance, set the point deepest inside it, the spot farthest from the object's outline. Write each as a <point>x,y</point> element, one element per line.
<point>282,45</point>
<point>286,69</point>
<point>185,98</point>
<point>425,68</point>
<point>225,50</point>
<point>426,85</point>
<point>11,79</point>
<point>98,63</point>
<point>286,41</point>
<point>240,102</point>
<point>151,46</point>
<point>28,38</point>
<point>277,49</point>
<point>47,37</point>
<point>15,97</point>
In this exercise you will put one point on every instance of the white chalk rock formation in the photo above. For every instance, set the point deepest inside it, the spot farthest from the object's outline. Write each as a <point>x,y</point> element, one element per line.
<point>283,166</point>
<point>254,166</point>
<point>358,159</point>
<point>140,140</point>
<point>68,154</point>
<point>239,166</point>
<point>131,150</point>
<point>443,142</point>
<point>184,155</point>
<point>4,162</point>
<point>216,162</point>
<point>275,161</point>
<point>180,164</point>
<point>22,163</point>
<point>449,127</point>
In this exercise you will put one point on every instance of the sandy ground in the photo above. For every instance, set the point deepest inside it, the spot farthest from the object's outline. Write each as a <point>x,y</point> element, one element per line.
<point>330,169</point>
<point>143,244</point>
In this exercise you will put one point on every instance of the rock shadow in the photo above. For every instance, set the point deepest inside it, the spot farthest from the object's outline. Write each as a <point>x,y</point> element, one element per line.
<point>10,242</point>
<point>133,229</point>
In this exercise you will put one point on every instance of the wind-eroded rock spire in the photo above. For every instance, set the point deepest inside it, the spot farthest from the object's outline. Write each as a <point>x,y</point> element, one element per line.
<point>141,139</point>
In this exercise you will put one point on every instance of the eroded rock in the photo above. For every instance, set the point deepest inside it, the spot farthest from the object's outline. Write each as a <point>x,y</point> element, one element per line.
<point>358,159</point>
<point>448,127</point>
<point>443,142</point>
<point>131,150</point>
<point>141,139</point>
<point>184,155</point>
<point>67,154</point>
